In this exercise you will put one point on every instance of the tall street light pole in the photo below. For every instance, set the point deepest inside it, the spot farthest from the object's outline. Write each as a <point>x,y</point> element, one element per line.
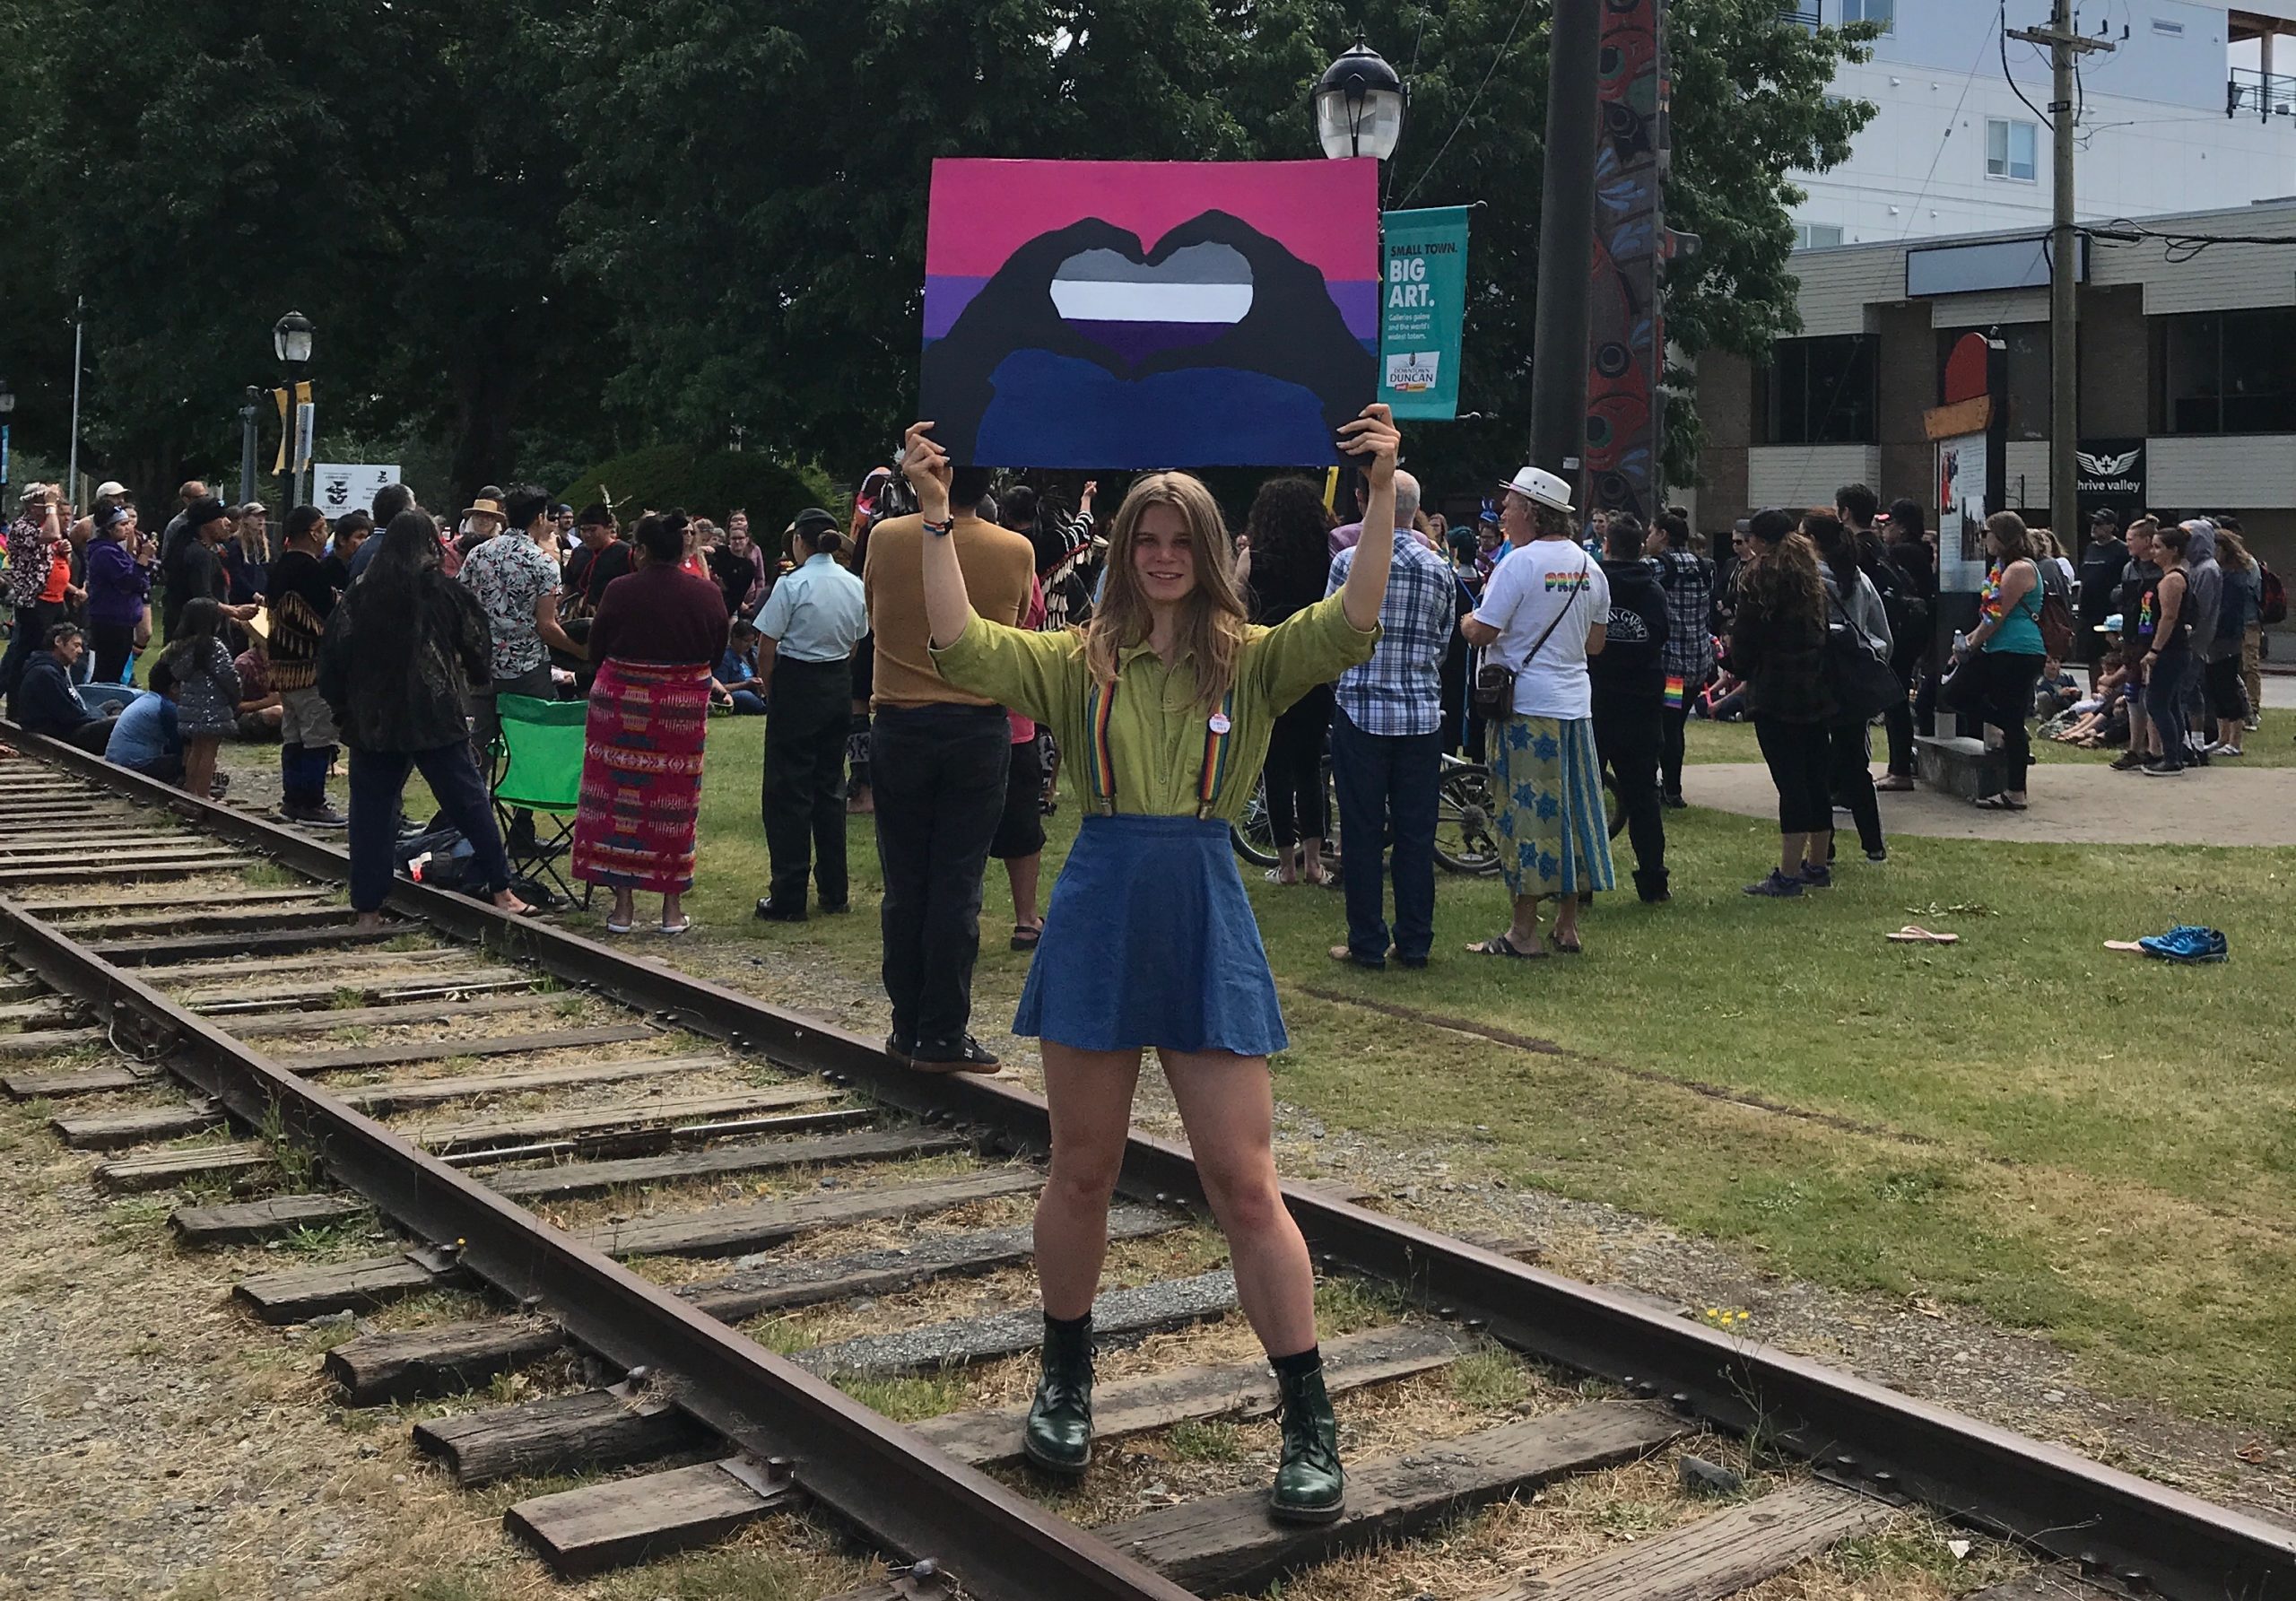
<point>1359,106</point>
<point>7,410</point>
<point>2064,46</point>
<point>72,472</point>
<point>248,412</point>
<point>291,342</point>
<point>1566,241</point>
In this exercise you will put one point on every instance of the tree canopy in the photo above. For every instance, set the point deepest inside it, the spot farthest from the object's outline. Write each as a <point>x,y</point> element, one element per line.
<point>534,233</point>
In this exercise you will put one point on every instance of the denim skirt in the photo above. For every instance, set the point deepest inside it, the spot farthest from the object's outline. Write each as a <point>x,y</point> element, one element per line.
<point>1149,940</point>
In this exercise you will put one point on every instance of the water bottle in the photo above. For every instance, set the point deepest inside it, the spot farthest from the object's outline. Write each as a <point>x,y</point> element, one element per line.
<point>1961,641</point>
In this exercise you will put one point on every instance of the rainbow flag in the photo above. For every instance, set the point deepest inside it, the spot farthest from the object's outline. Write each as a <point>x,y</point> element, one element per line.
<point>1674,692</point>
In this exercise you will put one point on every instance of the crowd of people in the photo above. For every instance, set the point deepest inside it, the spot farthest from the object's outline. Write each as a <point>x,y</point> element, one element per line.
<point>935,660</point>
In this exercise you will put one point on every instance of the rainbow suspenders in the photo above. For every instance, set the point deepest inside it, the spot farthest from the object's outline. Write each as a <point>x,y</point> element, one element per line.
<point>1100,709</point>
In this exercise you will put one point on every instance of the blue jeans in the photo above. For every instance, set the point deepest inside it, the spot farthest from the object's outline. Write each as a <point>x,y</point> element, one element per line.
<point>1386,780</point>
<point>2165,703</point>
<point>378,781</point>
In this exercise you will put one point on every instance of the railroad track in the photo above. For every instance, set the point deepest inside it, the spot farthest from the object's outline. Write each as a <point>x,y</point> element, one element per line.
<point>552,1148</point>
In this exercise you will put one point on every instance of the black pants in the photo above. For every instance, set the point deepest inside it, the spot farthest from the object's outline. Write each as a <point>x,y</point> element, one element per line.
<point>32,623</point>
<point>1673,721</point>
<point>938,775</point>
<point>1630,734</point>
<point>2005,700</point>
<point>1798,755</point>
<point>1296,808</point>
<point>378,781</point>
<point>1849,779</point>
<point>2228,697</point>
<point>1897,720</point>
<point>1386,780</point>
<point>114,644</point>
<point>808,718</point>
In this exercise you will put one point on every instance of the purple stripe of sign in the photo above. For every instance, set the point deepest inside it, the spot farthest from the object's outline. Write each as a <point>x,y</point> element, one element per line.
<point>947,298</point>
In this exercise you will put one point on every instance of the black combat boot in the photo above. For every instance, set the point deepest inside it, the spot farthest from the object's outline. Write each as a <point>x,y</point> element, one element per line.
<point>1058,1434</point>
<point>1310,1487</point>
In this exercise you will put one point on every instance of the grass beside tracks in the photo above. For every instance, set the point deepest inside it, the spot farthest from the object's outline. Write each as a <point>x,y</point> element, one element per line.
<point>2061,1137</point>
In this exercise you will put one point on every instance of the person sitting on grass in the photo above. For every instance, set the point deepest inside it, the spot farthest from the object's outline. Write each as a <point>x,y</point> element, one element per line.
<point>44,700</point>
<point>207,691</point>
<point>736,687</point>
<point>259,711</point>
<point>147,737</point>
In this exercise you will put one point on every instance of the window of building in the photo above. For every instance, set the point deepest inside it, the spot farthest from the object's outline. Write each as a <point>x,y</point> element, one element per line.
<point>2226,372</point>
<point>1820,391</point>
<point>1813,236</point>
<point>2009,148</point>
<point>1800,13</point>
<point>1883,11</point>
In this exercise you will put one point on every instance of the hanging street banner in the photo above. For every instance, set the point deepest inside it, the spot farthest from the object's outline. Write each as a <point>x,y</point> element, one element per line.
<point>1423,312</point>
<point>337,488</point>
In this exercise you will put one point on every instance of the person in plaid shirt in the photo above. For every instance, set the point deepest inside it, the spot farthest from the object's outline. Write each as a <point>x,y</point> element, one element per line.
<point>1688,579</point>
<point>1386,748</point>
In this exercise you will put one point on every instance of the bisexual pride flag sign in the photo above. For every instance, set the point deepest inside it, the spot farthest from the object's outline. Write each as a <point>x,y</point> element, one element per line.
<point>1149,314</point>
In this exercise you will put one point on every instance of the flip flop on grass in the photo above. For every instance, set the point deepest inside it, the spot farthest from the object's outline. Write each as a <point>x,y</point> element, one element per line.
<point>1913,934</point>
<point>1499,944</point>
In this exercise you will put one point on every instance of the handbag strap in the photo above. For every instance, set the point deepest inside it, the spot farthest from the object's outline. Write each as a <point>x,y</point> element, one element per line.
<point>1584,563</point>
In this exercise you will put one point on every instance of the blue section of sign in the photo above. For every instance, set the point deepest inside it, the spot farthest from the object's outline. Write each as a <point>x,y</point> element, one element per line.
<point>1422,310</point>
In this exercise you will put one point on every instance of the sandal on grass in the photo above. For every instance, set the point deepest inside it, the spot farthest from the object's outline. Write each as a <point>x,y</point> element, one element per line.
<point>1913,934</point>
<point>1567,947</point>
<point>1025,936</point>
<point>679,926</point>
<point>1998,803</point>
<point>614,927</point>
<point>1499,944</point>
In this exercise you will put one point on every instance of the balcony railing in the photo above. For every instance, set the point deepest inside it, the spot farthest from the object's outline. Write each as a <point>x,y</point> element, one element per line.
<point>1804,15</point>
<point>2265,95</point>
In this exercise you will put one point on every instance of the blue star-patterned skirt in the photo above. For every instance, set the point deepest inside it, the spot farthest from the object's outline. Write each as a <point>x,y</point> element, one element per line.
<point>1554,833</point>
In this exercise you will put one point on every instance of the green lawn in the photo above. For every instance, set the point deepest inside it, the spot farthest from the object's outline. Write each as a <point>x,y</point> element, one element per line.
<point>2086,1143</point>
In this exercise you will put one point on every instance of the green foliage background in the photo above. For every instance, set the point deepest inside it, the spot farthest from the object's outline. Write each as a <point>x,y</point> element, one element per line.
<point>537,233</point>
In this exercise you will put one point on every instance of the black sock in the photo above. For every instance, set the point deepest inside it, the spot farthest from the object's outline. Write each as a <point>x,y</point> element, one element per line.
<point>1300,1364</point>
<point>1067,1326</point>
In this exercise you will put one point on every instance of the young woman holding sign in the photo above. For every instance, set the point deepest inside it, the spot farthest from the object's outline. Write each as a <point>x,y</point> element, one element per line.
<point>1168,696</point>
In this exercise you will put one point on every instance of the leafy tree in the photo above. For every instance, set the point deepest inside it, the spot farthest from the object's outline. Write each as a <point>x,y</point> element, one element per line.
<point>392,170</point>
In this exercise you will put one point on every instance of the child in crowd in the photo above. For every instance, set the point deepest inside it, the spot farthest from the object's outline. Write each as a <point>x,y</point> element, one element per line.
<point>736,687</point>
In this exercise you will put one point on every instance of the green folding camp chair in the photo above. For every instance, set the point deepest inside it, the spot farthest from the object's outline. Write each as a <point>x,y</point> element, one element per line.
<point>538,770</point>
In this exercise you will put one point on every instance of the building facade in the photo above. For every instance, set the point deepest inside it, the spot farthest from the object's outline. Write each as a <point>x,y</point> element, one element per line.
<point>2191,355</point>
<point>2195,108</point>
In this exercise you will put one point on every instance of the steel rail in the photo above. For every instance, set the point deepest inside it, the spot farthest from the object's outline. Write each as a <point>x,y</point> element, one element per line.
<point>2147,1535</point>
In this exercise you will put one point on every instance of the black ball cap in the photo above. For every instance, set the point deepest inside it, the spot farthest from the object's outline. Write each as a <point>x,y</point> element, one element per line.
<point>813,520</point>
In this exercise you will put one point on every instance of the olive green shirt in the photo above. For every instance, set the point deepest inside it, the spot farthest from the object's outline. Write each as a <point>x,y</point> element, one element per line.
<point>1157,728</point>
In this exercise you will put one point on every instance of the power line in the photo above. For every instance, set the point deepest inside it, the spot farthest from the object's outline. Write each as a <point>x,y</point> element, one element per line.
<point>1498,57</point>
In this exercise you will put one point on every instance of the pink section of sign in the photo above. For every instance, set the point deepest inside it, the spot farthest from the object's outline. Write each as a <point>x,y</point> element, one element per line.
<point>1324,213</point>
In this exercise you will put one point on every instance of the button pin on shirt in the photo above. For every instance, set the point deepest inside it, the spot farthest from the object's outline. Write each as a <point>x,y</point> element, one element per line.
<point>1219,723</point>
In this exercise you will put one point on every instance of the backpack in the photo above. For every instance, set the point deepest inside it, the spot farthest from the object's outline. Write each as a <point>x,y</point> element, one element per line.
<point>2271,597</point>
<point>2055,617</point>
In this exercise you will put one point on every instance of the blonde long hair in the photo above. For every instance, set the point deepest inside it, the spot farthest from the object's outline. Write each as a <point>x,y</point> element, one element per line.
<point>1214,619</point>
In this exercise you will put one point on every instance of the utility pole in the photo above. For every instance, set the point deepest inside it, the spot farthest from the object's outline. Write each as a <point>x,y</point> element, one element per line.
<point>2064,46</point>
<point>1566,241</point>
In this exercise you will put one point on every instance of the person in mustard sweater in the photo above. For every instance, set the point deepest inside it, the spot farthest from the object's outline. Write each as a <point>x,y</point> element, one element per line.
<point>1166,699</point>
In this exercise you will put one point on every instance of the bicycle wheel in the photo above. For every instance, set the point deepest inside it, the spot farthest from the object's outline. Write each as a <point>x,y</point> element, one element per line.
<point>1253,841</point>
<point>1465,840</point>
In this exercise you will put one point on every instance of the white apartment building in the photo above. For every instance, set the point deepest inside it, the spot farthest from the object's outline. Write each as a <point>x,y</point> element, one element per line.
<point>2193,110</point>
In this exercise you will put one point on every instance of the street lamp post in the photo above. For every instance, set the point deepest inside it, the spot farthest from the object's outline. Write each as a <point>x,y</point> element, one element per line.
<point>290,341</point>
<point>7,409</point>
<point>248,412</point>
<point>1359,104</point>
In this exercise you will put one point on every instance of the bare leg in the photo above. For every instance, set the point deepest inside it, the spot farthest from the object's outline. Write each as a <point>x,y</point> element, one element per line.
<point>1820,842</point>
<point>1228,1105</point>
<point>1021,870</point>
<point>672,910</point>
<point>1793,851</point>
<point>1312,860</point>
<point>1523,933</point>
<point>626,907</point>
<point>199,765</point>
<point>1089,1093</point>
<point>1566,918</point>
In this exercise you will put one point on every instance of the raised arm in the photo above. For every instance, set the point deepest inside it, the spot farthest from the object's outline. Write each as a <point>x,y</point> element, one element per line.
<point>1373,437</point>
<point>947,607</point>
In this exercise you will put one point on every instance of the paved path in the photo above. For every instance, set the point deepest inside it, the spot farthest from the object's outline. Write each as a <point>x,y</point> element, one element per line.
<point>2223,805</point>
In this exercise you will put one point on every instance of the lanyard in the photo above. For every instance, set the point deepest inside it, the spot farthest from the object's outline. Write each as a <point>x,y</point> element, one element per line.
<point>1100,756</point>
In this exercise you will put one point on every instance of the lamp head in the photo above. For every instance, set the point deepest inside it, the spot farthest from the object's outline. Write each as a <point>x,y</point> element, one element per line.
<point>291,338</point>
<point>1359,106</point>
